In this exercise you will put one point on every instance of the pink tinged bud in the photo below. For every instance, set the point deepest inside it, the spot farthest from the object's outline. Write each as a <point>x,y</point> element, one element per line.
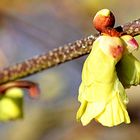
<point>130,43</point>
<point>133,43</point>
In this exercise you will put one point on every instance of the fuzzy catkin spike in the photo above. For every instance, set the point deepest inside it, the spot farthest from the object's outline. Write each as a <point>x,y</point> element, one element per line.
<point>132,28</point>
<point>44,61</point>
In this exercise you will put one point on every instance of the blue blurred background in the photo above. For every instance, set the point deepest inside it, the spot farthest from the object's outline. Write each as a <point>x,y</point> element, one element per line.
<point>31,27</point>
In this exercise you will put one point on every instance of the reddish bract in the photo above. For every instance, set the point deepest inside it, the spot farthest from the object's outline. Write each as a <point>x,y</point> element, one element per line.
<point>102,22</point>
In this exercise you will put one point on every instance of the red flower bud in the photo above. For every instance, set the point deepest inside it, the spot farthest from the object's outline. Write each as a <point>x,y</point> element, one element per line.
<point>103,19</point>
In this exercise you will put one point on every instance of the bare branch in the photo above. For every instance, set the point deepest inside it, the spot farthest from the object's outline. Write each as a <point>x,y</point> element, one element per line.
<point>59,55</point>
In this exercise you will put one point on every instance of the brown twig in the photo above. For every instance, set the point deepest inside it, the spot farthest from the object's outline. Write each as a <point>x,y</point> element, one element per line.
<point>32,87</point>
<point>59,55</point>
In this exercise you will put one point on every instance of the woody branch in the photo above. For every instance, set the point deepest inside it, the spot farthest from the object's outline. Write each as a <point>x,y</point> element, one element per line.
<point>59,55</point>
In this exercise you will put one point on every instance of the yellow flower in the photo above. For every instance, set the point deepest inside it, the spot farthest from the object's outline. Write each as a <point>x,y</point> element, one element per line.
<point>128,69</point>
<point>101,94</point>
<point>11,104</point>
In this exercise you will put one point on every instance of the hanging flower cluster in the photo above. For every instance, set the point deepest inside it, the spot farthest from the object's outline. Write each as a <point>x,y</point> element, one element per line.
<point>107,71</point>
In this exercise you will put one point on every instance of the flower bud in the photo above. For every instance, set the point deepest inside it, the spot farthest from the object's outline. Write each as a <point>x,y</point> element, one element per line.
<point>103,19</point>
<point>130,43</point>
<point>11,104</point>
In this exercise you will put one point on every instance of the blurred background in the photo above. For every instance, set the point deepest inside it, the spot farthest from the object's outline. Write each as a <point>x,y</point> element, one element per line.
<point>31,27</point>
